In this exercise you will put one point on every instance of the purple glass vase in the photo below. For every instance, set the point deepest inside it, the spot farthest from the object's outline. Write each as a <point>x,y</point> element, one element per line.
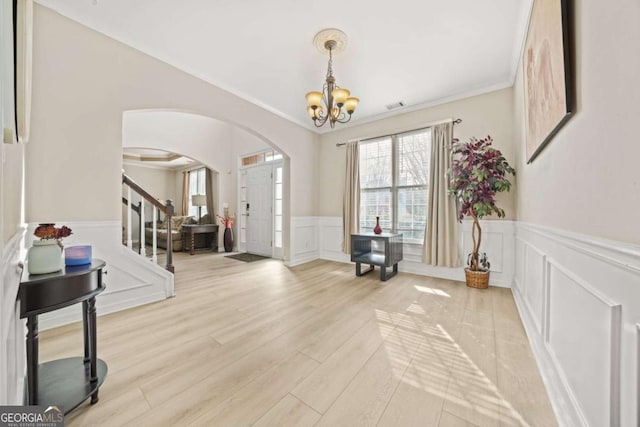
<point>377,229</point>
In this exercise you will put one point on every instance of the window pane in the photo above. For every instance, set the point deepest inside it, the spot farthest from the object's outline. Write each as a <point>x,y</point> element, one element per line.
<point>279,175</point>
<point>278,242</point>
<point>412,212</point>
<point>193,183</point>
<point>375,164</point>
<point>375,203</point>
<point>413,158</point>
<point>394,175</point>
<point>278,223</point>
<point>278,191</point>
<point>202,189</point>
<point>278,207</point>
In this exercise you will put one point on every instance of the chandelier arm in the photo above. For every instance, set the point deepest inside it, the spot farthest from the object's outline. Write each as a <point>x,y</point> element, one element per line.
<point>321,121</point>
<point>342,116</point>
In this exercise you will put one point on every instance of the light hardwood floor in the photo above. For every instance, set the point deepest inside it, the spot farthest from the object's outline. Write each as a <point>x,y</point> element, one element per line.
<point>259,344</point>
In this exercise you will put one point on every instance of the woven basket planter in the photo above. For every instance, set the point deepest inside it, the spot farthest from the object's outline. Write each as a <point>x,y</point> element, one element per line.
<point>477,279</point>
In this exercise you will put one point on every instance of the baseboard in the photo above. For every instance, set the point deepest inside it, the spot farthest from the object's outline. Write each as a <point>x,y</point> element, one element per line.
<point>302,259</point>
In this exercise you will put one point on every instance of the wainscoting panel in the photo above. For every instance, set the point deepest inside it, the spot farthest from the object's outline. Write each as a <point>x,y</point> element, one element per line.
<point>492,244</point>
<point>499,244</point>
<point>304,240</point>
<point>131,280</point>
<point>579,300</point>
<point>599,318</point>
<point>520,255</point>
<point>321,238</point>
<point>534,275</point>
<point>12,328</point>
<point>330,230</point>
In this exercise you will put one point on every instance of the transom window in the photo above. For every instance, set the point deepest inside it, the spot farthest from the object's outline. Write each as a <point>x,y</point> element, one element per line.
<point>262,157</point>
<point>394,175</point>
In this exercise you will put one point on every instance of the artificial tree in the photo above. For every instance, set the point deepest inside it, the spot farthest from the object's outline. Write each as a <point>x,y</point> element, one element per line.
<point>478,172</point>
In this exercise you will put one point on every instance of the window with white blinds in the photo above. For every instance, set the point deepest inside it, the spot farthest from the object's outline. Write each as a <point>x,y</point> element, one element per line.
<point>197,185</point>
<point>394,174</point>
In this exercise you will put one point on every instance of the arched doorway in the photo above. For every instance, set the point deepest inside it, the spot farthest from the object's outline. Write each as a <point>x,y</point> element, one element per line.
<point>217,144</point>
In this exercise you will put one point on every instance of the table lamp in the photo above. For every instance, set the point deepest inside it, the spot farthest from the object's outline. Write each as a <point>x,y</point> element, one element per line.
<point>199,200</point>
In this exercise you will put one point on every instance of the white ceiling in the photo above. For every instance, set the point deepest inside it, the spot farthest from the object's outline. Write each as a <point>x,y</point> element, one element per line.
<point>421,52</point>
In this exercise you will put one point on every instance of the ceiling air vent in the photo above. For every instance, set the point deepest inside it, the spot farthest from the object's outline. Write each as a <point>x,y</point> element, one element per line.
<point>395,105</point>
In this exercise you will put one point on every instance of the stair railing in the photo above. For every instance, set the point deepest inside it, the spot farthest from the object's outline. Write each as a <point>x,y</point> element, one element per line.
<point>167,208</point>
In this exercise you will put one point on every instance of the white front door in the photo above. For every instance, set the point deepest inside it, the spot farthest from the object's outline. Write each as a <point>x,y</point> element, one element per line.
<point>259,210</point>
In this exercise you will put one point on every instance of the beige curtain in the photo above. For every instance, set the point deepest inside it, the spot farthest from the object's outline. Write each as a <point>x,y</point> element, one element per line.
<point>209,191</point>
<point>185,193</point>
<point>441,233</point>
<point>351,202</point>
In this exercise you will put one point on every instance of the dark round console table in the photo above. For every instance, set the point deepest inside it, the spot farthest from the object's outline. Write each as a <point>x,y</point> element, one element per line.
<point>65,382</point>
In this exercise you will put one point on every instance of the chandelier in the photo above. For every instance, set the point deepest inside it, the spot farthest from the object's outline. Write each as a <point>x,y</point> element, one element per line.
<point>333,104</point>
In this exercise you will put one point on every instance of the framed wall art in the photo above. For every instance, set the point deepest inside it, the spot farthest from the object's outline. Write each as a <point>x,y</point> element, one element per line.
<point>547,74</point>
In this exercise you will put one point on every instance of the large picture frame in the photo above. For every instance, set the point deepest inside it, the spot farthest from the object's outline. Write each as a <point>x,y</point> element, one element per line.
<point>547,74</point>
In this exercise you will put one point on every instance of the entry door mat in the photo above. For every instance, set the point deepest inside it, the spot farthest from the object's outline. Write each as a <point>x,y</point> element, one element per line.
<point>246,257</point>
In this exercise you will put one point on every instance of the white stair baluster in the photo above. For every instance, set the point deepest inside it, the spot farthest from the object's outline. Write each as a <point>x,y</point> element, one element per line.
<point>129,239</point>
<point>154,256</point>
<point>143,248</point>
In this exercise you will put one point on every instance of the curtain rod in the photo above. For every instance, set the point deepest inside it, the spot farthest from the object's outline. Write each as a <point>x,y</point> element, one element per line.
<point>455,122</point>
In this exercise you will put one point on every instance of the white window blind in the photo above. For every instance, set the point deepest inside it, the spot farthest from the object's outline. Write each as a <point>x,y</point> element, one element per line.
<point>394,183</point>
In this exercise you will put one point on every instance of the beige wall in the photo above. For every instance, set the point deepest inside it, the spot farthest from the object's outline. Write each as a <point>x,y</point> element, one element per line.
<point>160,183</point>
<point>487,114</point>
<point>586,180</point>
<point>82,84</point>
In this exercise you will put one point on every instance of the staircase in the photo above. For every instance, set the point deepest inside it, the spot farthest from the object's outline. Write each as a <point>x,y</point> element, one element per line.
<point>138,209</point>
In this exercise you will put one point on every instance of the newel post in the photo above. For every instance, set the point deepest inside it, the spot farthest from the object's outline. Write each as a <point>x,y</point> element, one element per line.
<point>169,214</point>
